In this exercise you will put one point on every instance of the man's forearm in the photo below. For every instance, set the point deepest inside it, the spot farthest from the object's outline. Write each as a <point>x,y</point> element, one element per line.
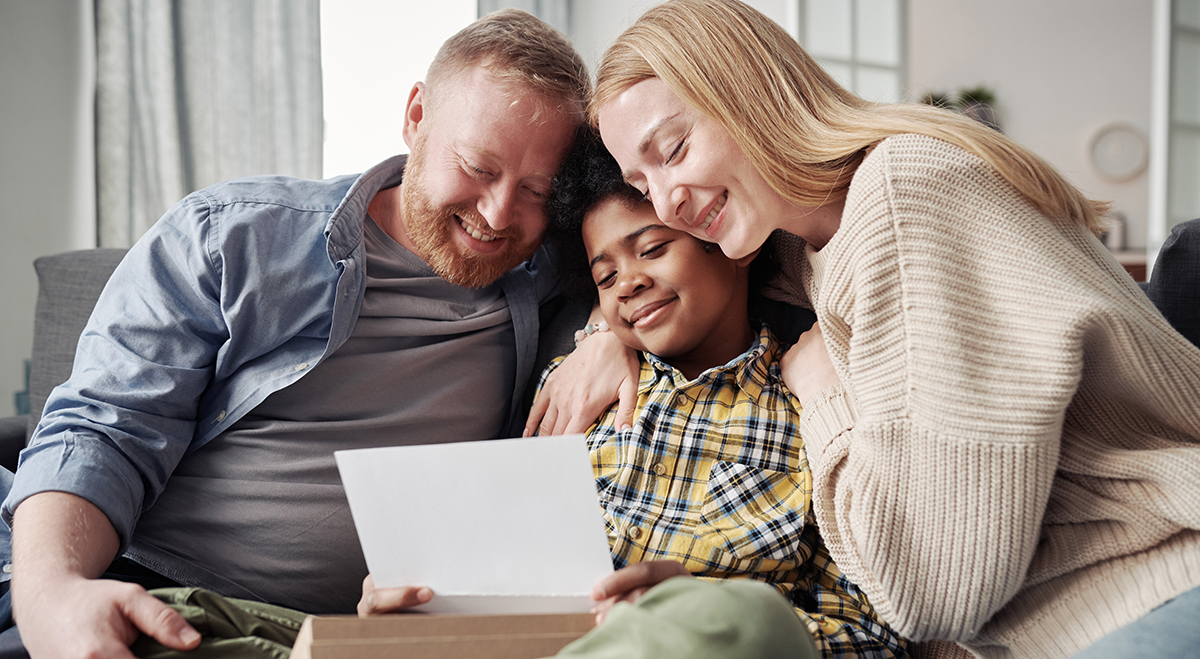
<point>61,543</point>
<point>57,535</point>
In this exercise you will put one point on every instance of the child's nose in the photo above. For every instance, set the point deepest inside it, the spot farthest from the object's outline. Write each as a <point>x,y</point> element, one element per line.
<point>631,283</point>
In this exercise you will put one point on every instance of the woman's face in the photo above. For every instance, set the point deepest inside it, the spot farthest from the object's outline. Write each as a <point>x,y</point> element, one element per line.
<point>698,178</point>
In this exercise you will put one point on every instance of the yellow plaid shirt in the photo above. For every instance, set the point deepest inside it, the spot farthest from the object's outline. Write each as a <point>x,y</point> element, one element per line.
<point>713,475</point>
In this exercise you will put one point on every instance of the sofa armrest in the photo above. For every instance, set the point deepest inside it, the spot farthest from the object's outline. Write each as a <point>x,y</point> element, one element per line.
<point>12,439</point>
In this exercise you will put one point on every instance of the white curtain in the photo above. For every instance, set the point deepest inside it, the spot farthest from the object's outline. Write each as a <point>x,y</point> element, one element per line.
<point>555,12</point>
<point>192,92</point>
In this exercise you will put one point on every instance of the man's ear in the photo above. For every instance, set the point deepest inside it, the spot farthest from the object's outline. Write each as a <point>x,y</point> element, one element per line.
<point>414,112</point>
<point>745,261</point>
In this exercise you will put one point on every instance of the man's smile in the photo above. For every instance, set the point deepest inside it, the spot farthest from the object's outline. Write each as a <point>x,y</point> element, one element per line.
<point>474,231</point>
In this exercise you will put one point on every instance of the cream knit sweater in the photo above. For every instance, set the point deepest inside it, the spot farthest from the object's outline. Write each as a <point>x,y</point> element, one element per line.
<point>1012,460</point>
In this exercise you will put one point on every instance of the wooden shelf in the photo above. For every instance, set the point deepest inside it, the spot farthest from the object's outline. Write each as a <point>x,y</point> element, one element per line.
<point>1134,261</point>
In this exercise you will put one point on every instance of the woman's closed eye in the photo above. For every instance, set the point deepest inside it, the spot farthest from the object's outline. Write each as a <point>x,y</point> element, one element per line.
<point>675,151</point>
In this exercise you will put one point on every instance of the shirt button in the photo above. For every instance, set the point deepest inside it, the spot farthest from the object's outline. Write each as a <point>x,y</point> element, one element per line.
<point>220,416</point>
<point>7,568</point>
<point>634,533</point>
<point>681,399</point>
<point>659,468</point>
<point>301,367</point>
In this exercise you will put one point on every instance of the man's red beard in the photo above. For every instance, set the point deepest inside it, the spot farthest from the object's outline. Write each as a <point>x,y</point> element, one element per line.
<point>431,229</point>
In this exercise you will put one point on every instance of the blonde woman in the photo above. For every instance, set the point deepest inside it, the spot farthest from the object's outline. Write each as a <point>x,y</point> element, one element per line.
<point>1003,431</point>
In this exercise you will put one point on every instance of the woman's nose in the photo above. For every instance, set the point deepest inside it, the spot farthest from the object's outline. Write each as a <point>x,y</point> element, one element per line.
<point>670,202</point>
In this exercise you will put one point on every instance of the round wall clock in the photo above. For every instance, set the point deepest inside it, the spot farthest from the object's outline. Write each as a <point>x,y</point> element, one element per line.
<point>1119,152</point>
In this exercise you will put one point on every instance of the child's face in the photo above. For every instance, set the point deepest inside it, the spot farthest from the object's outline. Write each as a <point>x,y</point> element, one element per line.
<point>660,289</point>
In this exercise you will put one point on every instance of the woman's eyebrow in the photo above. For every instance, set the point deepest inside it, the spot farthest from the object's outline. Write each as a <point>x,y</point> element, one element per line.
<point>651,133</point>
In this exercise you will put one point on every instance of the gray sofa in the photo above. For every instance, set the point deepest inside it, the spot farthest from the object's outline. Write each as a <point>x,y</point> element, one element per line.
<point>69,283</point>
<point>1174,286</point>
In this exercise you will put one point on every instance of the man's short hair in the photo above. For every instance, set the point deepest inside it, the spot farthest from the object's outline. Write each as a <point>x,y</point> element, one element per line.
<point>520,50</point>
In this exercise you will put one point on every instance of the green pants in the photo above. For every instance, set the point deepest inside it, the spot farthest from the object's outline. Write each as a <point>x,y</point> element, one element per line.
<point>233,628</point>
<point>693,619</point>
<point>680,618</point>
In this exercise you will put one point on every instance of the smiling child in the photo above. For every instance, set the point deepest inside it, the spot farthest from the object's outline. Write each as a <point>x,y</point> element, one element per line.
<point>712,479</point>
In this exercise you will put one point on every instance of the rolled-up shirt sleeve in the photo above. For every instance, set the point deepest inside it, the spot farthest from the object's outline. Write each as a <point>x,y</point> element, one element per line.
<point>115,430</point>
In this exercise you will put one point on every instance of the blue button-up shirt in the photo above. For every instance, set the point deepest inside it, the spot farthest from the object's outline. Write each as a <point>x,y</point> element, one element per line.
<point>237,292</point>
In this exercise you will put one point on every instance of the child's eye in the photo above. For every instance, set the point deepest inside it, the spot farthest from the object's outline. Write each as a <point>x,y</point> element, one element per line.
<point>606,280</point>
<point>656,249</point>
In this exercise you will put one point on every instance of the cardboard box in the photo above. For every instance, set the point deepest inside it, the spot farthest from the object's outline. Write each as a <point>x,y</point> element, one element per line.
<point>439,636</point>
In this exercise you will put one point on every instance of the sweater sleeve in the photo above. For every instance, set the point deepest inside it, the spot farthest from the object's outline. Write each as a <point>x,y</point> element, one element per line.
<point>955,314</point>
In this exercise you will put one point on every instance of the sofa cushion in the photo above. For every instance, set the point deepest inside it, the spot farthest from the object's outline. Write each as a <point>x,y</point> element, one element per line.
<point>1174,286</point>
<point>68,286</point>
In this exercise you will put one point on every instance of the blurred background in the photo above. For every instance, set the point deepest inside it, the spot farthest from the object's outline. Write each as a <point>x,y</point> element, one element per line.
<point>112,110</point>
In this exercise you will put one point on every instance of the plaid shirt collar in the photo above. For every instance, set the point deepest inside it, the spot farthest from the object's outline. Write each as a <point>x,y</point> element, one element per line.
<point>753,370</point>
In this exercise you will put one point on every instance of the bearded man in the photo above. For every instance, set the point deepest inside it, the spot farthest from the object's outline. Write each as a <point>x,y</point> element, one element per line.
<point>264,323</point>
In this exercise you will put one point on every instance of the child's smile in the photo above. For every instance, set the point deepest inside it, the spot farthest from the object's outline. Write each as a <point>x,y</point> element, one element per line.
<point>664,291</point>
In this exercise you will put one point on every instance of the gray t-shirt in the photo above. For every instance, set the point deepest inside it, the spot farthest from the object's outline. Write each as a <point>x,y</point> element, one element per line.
<point>259,512</point>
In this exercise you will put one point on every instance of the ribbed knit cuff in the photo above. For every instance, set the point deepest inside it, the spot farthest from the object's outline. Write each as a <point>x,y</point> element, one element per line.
<point>830,413</point>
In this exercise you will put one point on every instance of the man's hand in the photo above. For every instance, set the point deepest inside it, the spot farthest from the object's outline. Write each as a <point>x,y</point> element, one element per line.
<point>598,372</point>
<point>630,583</point>
<point>60,544</point>
<point>77,617</point>
<point>806,366</point>
<point>386,600</point>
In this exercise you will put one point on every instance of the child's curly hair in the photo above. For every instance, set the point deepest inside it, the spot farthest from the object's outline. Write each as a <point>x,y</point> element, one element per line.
<point>589,176</point>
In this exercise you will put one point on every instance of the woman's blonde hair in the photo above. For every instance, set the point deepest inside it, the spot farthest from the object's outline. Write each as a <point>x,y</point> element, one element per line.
<point>804,133</point>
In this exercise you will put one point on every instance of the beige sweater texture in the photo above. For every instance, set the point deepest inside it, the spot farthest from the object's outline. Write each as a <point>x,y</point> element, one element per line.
<point>1012,460</point>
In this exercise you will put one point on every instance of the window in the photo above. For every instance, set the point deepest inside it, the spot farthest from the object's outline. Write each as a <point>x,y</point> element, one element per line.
<point>554,12</point>
<point>860,42</point>
<point>371,54</point>
<point>1183,180</point>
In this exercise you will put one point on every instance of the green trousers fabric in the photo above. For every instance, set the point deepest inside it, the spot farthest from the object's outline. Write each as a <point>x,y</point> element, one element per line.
<point>232,628</point>
<point>692,619</point>
<point>678,619</point>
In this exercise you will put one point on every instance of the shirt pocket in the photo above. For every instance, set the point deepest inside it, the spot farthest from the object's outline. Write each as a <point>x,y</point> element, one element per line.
<point>755,513</point>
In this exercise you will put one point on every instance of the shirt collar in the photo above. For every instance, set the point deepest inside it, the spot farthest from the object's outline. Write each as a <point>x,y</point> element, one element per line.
<point>752,371</point>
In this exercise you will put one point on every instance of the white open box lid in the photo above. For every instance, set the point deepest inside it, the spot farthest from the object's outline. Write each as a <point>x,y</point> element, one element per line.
<point>502,526</point>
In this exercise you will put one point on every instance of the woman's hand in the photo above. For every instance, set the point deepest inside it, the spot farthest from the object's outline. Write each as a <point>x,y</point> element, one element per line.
<point>386,600</point>
<point>630,583</point>
<point>598,372</point>
<point>806,366</point>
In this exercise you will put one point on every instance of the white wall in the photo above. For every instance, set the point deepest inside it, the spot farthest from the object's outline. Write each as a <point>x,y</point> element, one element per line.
<point>1061,69</point>
<point>597,23</point>
<point>373,51</point>
<point>46,177</point>
<point>371,54</point>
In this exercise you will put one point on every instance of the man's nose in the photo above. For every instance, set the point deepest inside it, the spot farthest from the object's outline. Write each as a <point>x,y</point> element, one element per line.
<point>496,207</point>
